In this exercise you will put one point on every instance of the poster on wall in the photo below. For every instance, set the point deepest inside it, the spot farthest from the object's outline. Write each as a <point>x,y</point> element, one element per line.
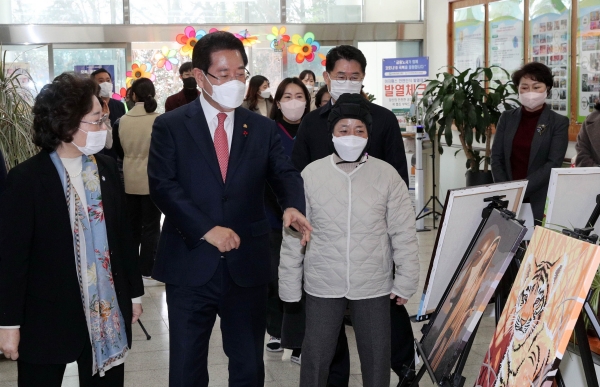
<point>88,69</point>
<point>549,41</point>
<point>541,310</point>
<point>469,44</point>
<point>505,44</point>
<point>402,77</point>
<point>588,49</point>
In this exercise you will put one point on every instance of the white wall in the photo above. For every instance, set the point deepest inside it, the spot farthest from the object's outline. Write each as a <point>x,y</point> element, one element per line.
<point>375,52</point>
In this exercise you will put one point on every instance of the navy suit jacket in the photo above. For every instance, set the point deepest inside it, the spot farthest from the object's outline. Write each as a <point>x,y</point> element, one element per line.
<point>186,185</point>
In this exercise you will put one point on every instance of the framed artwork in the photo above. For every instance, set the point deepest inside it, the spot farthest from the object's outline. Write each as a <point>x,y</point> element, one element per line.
<point>468,297</point>
<point>459,222</point>
<point>540,313</point>
<point>567,207</point>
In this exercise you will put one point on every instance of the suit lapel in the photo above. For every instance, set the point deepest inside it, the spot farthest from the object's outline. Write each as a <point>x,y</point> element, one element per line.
<point>537,137</point>
<point>238,141</point>
<point>108,187</point>
<point>511,130</point>
<point>54,189</point>
<point>198,127</point>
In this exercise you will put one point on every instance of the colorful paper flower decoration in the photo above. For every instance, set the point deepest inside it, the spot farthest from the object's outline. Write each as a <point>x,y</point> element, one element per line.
<point>246,38</point>
<point>323,59</point>
<point>139,70</point>
<point>304,47</point>
<point>166,58</point>
<point>278,38</point>
<point>188,39</point>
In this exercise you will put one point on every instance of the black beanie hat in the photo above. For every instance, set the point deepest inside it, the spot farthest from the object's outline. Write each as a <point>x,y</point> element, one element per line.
<point>350,106</point>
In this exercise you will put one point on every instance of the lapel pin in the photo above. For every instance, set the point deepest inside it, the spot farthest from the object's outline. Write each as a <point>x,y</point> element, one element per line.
<point>103,178</point>
<point>541,129</point>
<point>245,132</point>
<point>245,126</point>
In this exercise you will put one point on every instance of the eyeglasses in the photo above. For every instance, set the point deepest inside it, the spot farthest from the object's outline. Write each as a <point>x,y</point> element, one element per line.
<point>102,121</point>
<point>355,80</point>
<point>242,77</point>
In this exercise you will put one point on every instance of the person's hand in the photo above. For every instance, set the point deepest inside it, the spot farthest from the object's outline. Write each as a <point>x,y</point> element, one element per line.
<point>224,239</point>
<point>293,217</point>
<point>399,300</point>
<point>137,312</point>
<point>9,343</point>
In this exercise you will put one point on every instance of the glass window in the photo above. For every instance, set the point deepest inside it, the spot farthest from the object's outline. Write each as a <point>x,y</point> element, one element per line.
<point>64,12</point>
<point>69,60</point>
<point>294,68</point>
<point>204,11</point>
<point>269,64</point>
<point>34,60</point>
<point>352,11</point>
<point>166,82</point>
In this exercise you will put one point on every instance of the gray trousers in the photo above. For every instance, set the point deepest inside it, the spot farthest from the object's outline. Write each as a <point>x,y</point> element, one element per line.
<point>371,323</point>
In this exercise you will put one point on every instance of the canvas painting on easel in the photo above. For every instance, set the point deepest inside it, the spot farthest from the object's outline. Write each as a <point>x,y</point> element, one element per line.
<point>468,297</point>
<point>541,311</point>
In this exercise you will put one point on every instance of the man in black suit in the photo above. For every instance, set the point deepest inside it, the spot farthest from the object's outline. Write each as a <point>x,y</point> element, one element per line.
<point>116,109</point>
<point>208,166</point>
<point>344,73</point>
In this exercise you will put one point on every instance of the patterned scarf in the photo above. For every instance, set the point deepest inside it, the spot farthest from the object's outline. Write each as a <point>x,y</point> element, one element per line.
<point>105,321</point>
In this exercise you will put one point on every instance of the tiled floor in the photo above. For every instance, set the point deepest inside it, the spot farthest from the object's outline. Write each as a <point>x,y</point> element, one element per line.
<point>148,362</point>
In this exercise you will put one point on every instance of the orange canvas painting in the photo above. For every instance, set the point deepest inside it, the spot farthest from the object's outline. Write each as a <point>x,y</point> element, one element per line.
<point>540,313</point>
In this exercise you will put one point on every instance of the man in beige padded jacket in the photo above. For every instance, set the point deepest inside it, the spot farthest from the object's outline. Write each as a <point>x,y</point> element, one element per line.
<point>363,226</point>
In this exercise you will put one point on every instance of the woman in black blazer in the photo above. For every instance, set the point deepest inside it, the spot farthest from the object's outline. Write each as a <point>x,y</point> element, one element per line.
<point>69,282</point>
<point>532,139</point>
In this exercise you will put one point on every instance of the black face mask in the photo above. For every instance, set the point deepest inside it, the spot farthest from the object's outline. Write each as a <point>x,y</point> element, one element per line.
<point>190,83</point>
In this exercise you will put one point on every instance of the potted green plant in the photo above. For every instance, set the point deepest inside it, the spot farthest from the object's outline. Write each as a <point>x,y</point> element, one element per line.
<point>16,118</point>
<point>472,101</point>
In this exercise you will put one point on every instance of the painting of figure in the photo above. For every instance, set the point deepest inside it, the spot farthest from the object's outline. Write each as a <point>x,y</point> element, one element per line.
<point>471,292</point>
<point>541,311</point>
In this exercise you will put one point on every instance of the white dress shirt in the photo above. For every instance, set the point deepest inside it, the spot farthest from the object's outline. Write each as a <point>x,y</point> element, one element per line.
<point>213,121</point>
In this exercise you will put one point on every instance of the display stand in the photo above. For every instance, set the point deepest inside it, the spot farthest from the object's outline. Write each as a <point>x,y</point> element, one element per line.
<point>456,379</point>
<point>433,198</point>
<point>419,178</point>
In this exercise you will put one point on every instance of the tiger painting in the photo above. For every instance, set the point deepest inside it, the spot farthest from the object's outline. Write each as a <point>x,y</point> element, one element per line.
<point>531,347</point>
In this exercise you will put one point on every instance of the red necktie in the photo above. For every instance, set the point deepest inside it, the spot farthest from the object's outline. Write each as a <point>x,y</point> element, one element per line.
<point>221,145</point>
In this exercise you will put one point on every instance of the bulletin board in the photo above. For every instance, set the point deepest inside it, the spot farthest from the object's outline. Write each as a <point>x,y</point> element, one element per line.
<point>512,25</point>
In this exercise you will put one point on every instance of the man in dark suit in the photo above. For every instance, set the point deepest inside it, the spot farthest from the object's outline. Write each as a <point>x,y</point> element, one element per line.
<point>208,165</point>
<point>116,109</point>
<point>344,73</point>
<point>188,93</point>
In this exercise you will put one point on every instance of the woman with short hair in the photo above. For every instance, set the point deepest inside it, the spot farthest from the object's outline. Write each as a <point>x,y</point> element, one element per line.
<point>532,139</point>
<point>69,284</point>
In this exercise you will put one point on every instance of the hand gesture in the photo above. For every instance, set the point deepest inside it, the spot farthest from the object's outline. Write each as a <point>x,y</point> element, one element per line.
<point>137,312</point>
<point>224,239</point>
<point>293,217</point>
<point>9,343</point>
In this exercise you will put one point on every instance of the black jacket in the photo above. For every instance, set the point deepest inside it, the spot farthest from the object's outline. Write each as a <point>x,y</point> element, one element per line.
<point>117,110</point>
<point>313,141</point>
<point>2,173</point>
<point>39,289</point>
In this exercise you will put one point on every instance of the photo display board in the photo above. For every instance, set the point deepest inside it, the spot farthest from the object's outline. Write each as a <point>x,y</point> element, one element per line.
<point>469,40</point>
<point>588,50</point>
<point>460,219</point>
<point>505,42</point>
<point>549,43</point>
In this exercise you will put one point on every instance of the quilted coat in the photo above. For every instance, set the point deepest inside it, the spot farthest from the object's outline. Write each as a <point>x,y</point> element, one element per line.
<point>363,232</point>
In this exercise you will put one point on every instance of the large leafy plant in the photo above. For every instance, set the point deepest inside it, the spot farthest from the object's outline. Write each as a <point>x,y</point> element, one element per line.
<point>16,118</point>
<point>472,101</point>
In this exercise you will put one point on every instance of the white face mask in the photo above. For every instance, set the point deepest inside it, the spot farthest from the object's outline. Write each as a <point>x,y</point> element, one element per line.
<point>337,89</point>
<point>265,94</point>
<point>229,95</point>
<point>310,88</point>
<point>94,142</point>
<point>293,109</point>
<point>532,100</point>
<point>349,148</point>
<point>105,89</point>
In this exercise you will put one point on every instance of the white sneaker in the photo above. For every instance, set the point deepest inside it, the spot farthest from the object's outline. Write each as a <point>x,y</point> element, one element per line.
<point>274,344</point>
<point>296,356</point>
<point>149,282</point>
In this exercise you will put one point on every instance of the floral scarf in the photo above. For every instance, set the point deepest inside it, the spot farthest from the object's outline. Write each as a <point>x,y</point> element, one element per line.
<point>92,257</point>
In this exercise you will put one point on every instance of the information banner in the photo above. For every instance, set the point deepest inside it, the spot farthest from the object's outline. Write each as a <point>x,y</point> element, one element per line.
<point>469,43</point>
<point>588,49</point>
<point>401,78</point>
<point>549,41</point>
<point>506,30</point>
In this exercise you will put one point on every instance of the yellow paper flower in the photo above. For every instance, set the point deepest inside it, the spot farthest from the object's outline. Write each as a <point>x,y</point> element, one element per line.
<point>304,47</point>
